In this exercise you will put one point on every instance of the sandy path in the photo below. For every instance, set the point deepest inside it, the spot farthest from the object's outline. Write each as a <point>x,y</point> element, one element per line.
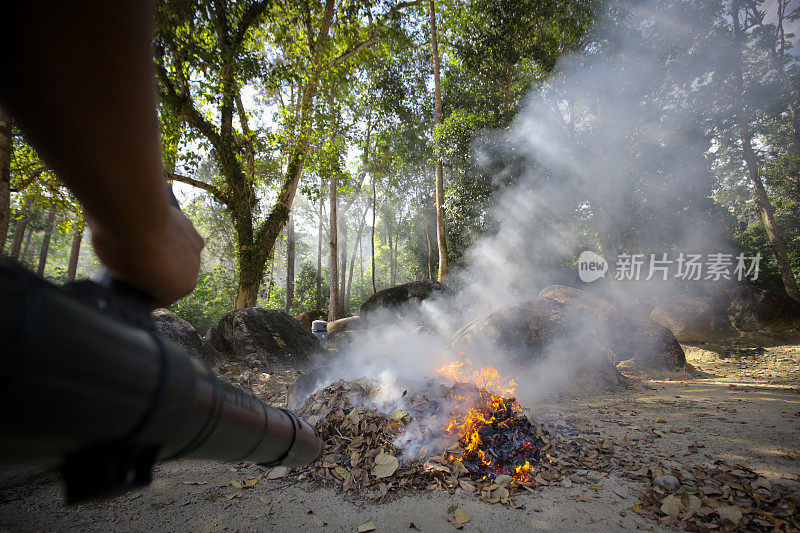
<point>744,410</point>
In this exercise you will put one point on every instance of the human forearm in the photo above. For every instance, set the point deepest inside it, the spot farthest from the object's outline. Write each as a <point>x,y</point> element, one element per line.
<point>80,82</point>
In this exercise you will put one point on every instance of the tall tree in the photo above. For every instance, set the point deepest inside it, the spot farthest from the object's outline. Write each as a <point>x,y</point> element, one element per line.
<point>356,249</point>
<point>48,233</point>
<point>290,244</point>
<point>208,51</point>
<point>215,40</point>
<point>441,235</point>
<point>19,231</point>
<point>372,237</point>
<point>319,252</point>
<point>333,259</point>
<point>742,17</point>
<point>75,250</point>
<point>5,175</point>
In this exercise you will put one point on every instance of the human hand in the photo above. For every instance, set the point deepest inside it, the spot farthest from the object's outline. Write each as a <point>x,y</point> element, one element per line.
<point>162,258</point>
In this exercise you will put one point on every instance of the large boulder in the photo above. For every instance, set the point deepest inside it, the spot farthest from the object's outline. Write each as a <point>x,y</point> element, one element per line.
<point>522,330</point>
<point>751,307</point>
<point>623,335</point>
<point>308,317</point>
<point>408,293</point>
<point>689,319</point>
<point>350,323</point>
<point>172,327</point>
<point>273,336</point>
<point>538,331</point>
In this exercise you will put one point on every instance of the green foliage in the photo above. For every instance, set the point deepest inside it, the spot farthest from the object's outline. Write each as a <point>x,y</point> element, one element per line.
<point>305,288</point>
<point>213,297</point>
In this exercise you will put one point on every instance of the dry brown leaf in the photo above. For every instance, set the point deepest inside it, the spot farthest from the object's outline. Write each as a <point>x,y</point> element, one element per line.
<point>369,526</point>
<point>250,483</point>
<point>278,472</point>
<point>730,512</point>
<point>194,482</point>
<point>671,506</point>
<point>400,414</point>
<point>356,415</point>
<point>235,484</point>
<point>341,473</point>
<point>459,469</point>
<point>620,491</point>
<point>461,516</point>
<point>412,525</point>
<point>385,465</point>
<point>763,483</point>
<point>237,494</point>
<point>503,480</point>
<point>466,485</point>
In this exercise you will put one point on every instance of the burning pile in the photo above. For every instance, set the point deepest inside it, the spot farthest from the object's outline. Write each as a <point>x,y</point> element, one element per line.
<point>496,438</point>
<point>444,437</point>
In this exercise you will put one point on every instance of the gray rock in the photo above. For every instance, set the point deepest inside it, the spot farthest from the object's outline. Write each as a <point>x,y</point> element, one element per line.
<point>750,307</point>
<point>624,334</point>
<point>668,483</point>
<point>527,332</point>
<point>406,294</point>
<point>172,327</point>
<point>272,336</point>
<point>689,319</point>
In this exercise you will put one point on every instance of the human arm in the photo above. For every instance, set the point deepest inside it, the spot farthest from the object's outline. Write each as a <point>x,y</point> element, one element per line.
<point>79,82</point>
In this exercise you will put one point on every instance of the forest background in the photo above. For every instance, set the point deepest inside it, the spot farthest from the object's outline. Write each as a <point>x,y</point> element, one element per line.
<point>305,139</point>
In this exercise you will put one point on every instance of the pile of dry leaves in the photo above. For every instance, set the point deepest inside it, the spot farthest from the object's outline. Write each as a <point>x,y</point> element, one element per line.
<point>717,496</point>
<point>373,453</point>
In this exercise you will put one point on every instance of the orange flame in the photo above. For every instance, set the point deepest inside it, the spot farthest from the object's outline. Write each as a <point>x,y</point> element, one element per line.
<point>523,472</point>
<point>489,406</point>
<point>487,377</point>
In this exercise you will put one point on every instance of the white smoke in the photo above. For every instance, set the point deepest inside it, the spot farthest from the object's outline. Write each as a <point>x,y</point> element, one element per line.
<point>613,138</point>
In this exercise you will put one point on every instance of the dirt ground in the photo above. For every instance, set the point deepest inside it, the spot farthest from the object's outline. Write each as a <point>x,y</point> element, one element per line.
<point>741,403</point>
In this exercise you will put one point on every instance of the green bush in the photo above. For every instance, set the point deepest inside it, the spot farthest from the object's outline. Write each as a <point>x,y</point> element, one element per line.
<point>214,296</point>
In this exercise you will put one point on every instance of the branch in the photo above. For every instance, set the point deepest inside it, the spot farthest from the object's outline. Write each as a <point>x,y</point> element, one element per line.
<point>247,20</point>
<point>327,17</point>
<point>182,103</point>
<point>197,183</point>
<point>373,32</point>
<point>355,51</point>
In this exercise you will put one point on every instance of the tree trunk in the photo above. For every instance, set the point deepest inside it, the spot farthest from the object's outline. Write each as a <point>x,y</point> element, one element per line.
<point>750,159</point>
<point>319,256</point>
<point>430,252</point>
<point>361,257</point>
<point>25,247</point>
<point>75,252</point>
<point>768,218</point>
<point>333,260</point>
<point>342,245</point>
<point>5,176</point>
<point>48,234</point>
<point>19,230</point>
<point>372,247</point>
<point>356,248</point>
<point>271,281</point>
<point>251,273</point>
<point>389,235</point>
<point>289,262</point>
<point>437,120</point>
